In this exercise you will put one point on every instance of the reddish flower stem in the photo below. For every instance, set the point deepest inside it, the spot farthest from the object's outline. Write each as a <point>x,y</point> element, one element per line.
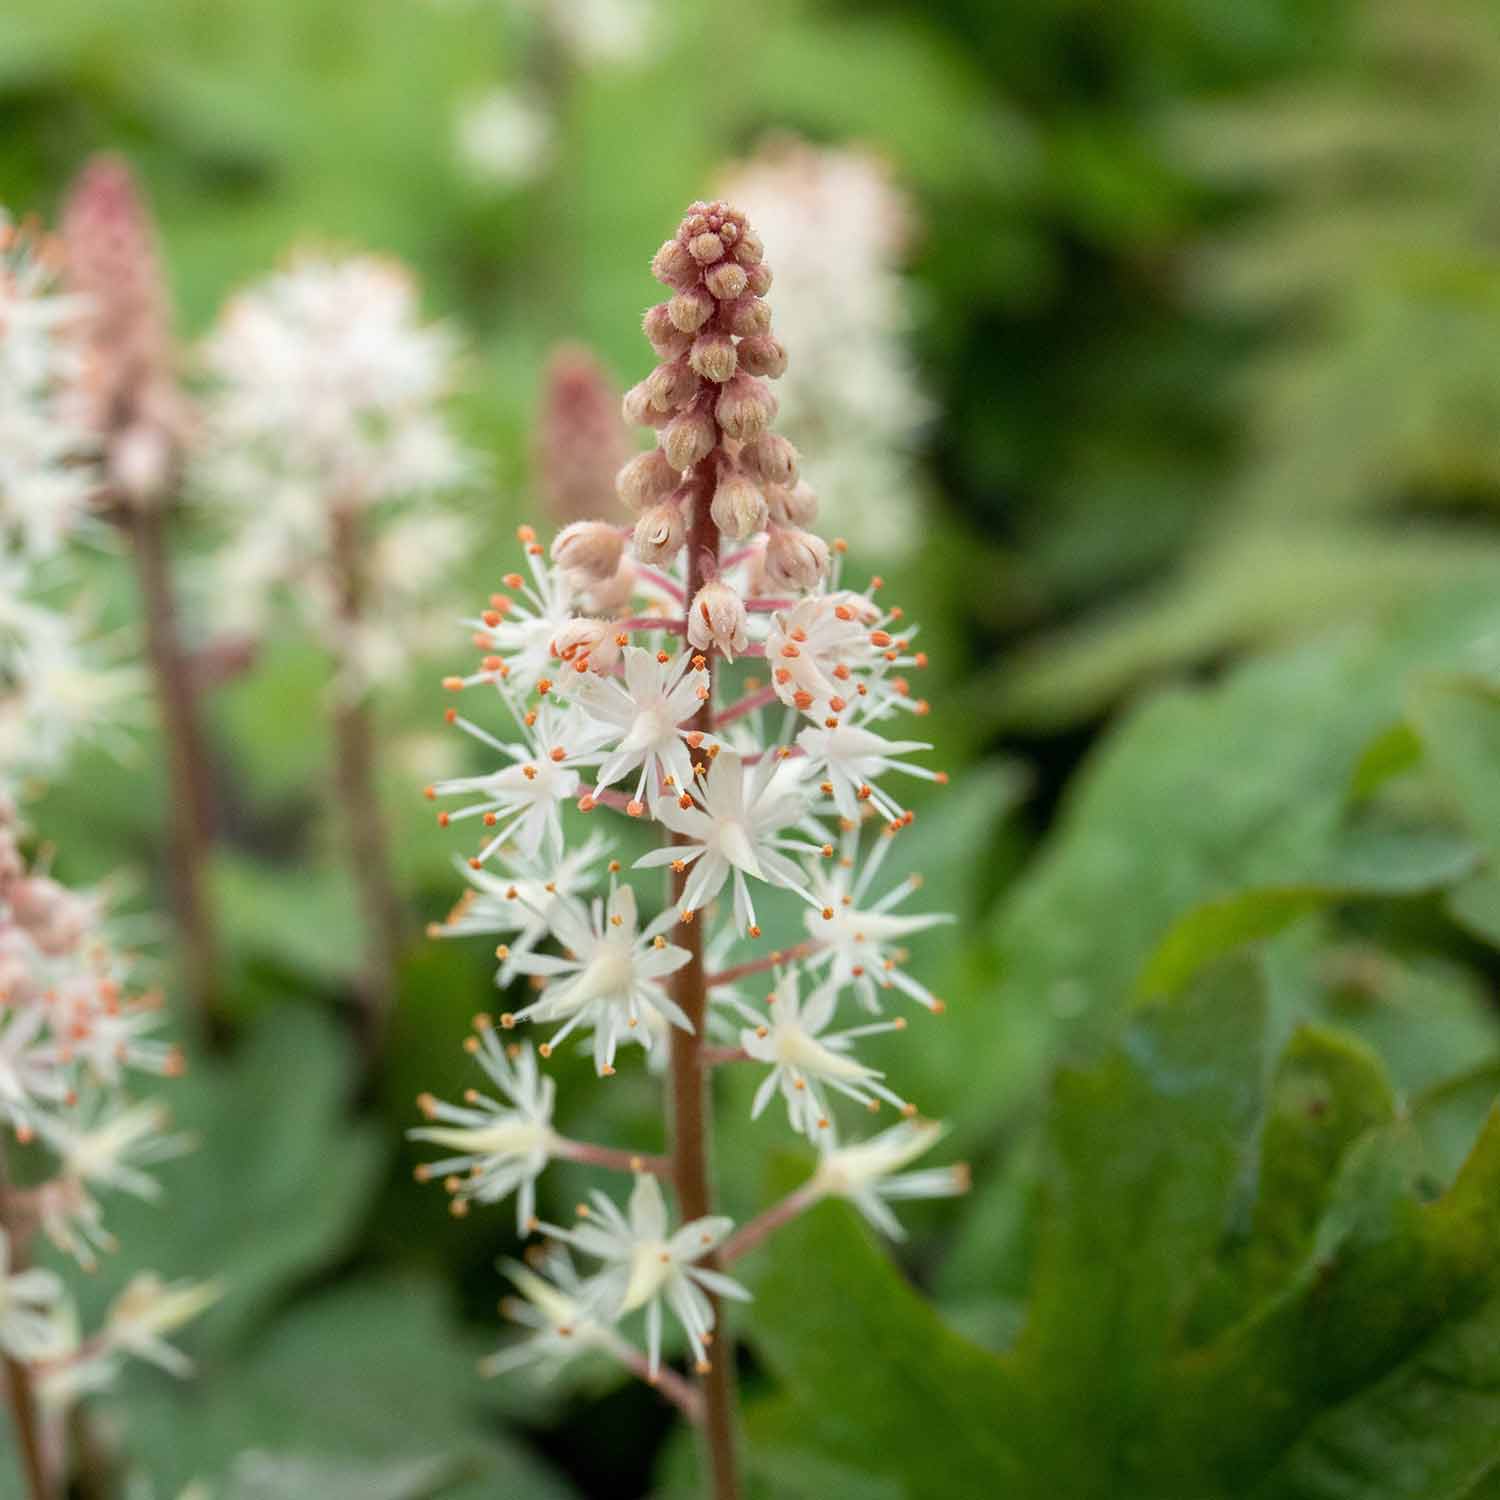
<point>611,1158</point>
<point>713,1057</point>
<point>690,1111</point>
<point>358,794</point>
<point>746,705</point>
<point>189,796</point>
<point>20,1393</point>
<point>767,1223</point>
<point>654,622</point>
<point>681,1393</point>
<point>760,965</point>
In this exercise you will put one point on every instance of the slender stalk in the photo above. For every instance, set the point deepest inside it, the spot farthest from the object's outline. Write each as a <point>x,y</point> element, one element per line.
<point>367,845</point>
<point>681,1393</point>
<point>190,799</point>
<point>760,965</point>
<point>611,1158</point>
<point>689,1099</point>
<point>767,1223</point>
<point>19,1392</point>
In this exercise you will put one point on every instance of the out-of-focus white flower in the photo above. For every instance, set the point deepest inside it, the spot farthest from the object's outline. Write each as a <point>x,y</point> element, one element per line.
<point>869,1172</point>
<point>611,974</point>
<point>805,1057</point>
<point>645,1264</point>
<point>502,1148</point>
<point>46,482</point>
<point>554,1305</point>
<point>505,137</point>
<point>327,390</point>
<point>29,1301</point>
<point>149,1309</point>
<point>840,226</point>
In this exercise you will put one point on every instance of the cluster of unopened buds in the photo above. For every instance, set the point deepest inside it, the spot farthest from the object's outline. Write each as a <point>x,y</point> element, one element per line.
<point>72,1033</point>
<point>706,670</point>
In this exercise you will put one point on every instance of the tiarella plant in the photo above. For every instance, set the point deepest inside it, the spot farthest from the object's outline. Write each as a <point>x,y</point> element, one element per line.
<point>707,671</point>
<point>74,1031</point>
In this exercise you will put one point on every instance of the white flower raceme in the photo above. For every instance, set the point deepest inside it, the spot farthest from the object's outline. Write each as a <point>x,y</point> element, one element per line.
<point>851,394</point>
<point>869,1173</point>
<point>859,944</point>
<point>326,388</point>
<point>501,1148</point>
<point>645,713</point>
<point>734,830</point>
<point>806,1058</point>
<point>29,1302</point>
<point>611,976</point>
<point>646,1264</point>
<point>46,481</point>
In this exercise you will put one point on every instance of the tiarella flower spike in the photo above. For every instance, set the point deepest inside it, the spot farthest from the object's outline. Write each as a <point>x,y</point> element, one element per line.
<point>720,684</point>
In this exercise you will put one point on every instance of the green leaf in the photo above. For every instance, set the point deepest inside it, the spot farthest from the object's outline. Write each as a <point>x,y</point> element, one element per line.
<point>1236,1292</point>
<point>375,1375</point>
<point>274,1189</point>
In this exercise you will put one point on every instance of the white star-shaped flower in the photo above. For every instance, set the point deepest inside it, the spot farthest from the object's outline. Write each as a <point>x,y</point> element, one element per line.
<point>523,801</point>
<point>612,974</point>
<point>501,1148</point>
<point>734,830</point>
<point>645,716</point>
<point>805,1058</point>
<point>849,757</point>
<point>29,1305</point>
<point>646,1265</point>
<point>859,944</point>
<point>554,1305</point>
<point>869,1173</point>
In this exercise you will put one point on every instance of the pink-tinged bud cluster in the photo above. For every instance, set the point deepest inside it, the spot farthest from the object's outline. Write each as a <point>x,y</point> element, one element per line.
<point>637,688</point>
<point>581,441</point>
<point>129,385</point>
<point>710,404</point>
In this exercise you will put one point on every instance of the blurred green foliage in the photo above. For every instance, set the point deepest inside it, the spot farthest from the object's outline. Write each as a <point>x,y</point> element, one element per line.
<point>1206,295</point>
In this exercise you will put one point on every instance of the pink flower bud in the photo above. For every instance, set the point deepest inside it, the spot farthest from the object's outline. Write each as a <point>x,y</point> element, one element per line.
<point>745,407</point>
<point>746,316</point>
<point>637,409</point>
<point>739,507</point>
<point>771,458</point>
<point>614,592</point>
<point>749,250</point>
<point>690,310</point>
<point>667,339</point>
<point>581,441</point>
<point>706,248</point>
<point>726,280</point>
<point>588,642</point>
<point>758,278</point>
<point>671,385</point>
<point>797,506</point>
<point>763,355</point>
<point>660,533</point>
<point>713,357</point>
<point>591,549</point>
<point>795,560</point>
<point>129,387</point>
<point>645,479</point>
<point>717,618</point>
<point>673,266</point>
<point>689,438</point>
